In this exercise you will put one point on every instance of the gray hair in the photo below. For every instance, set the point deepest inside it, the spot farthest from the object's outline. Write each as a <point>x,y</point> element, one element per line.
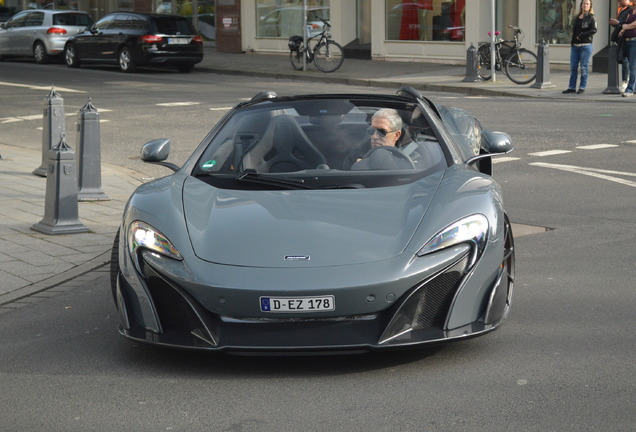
<point>391,116</point>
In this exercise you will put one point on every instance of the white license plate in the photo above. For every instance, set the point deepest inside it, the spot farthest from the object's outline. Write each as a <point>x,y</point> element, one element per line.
<point>298,304</point>
<point>178,41</point>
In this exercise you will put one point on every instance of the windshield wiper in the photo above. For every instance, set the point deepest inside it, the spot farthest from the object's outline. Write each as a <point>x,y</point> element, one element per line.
<point>250,175</point>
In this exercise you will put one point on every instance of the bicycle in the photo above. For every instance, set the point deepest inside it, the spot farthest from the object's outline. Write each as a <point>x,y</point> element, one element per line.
<point>519,64</point>
<point>327,55</point>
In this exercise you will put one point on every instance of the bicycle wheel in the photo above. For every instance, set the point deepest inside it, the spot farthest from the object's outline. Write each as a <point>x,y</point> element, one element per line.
<point>296,59</point>
<point>328,57</point>
<point>521,66</point>
<point>483,67</point>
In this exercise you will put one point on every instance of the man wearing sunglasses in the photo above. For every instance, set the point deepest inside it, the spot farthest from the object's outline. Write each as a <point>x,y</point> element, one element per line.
<point>385,132</point>
<point>386,128</point>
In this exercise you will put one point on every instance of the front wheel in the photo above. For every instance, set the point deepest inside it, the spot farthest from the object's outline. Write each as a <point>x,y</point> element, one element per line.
<point>328,57</point>
<point>483,68</point>
<point>521,66</point>
<point>296,59</point>
<point>126,62</point>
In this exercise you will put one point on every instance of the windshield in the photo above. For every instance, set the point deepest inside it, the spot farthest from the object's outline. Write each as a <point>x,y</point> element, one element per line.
<point>322,143</point>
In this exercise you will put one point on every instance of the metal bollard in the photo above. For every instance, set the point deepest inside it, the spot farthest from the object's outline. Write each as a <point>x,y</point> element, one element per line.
<point>60,206</point>
<point>612,71</point>
<point>472,65</point>
<point>53,127</point>
<point>89,171</point>
<point>543,68</point>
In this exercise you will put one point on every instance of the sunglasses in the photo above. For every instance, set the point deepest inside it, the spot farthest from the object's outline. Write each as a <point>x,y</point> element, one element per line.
<point>371,131</point>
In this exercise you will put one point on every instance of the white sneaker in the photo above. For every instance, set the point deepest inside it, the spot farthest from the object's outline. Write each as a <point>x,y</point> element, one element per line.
<point>623,86</point>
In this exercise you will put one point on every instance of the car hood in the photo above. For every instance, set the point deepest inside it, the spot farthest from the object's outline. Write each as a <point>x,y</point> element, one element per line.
<point>303,228</point>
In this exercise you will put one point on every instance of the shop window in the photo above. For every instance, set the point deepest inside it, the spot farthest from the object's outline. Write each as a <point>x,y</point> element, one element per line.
<point>276,18</point>
<point>205,22</point>
<point>554,21</point>
<point>425,20</point>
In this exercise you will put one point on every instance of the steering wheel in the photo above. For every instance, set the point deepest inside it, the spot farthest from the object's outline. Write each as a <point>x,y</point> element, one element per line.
<point>396,153</point>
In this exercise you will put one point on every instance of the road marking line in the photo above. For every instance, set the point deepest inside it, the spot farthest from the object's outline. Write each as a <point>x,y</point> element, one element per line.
<point>504,159</point>
<point>592,172</point>
<point>178,104</point>
<point>549,153</point>
<point>597,146</point>
<point>220,109</point>
<point>45,88</point>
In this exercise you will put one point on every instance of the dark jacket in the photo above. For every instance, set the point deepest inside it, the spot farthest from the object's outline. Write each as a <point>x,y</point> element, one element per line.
<point>621,20</point>
<point>584,29</point>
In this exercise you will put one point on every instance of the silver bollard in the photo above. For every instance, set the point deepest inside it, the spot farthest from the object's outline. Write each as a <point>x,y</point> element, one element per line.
<point>89,170</point>
<point>543,68</point>
<point>53,127</point>
<point>472,65</point>
<point>612,71</point>
<point>60,206</point>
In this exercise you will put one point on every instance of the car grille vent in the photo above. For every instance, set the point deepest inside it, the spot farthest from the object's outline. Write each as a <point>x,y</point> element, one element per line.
<point>438,295</point>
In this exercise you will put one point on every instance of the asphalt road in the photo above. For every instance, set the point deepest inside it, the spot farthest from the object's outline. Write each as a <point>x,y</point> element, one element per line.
<point>564,360</point>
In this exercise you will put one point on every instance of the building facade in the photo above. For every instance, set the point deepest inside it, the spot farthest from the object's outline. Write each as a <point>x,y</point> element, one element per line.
<point>421,30</point>
<point>407,30</point>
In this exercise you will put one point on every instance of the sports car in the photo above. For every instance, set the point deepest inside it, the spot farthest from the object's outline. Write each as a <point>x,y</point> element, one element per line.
<point>286,231</point>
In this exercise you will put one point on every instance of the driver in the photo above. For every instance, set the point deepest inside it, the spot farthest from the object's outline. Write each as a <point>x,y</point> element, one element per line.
<point>386,128</point>
<point>385,131</point>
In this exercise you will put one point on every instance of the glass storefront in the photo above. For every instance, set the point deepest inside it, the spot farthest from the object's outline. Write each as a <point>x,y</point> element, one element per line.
<point>203,20</point>
<point>425,20</point>
<point>554,21</point>
<point>284,18</point>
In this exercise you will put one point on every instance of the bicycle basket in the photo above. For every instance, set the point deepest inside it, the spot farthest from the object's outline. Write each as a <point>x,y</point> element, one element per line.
<point>295,42</point>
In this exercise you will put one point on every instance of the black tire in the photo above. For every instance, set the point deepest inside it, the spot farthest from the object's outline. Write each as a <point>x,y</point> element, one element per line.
<point>71,57</point>
<point>114,266</point>
<point>39,53</point>
<point>483,65</point>
<point>125,60</point>
<point>185,68</point>
<point>521,66</point>
<point>296,59</point>
<point>328,57</point>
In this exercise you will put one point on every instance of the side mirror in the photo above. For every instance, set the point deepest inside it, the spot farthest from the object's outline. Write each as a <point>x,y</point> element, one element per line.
<point>3,25</point>
<point>493,143</point>
<point>497,142</point>
<point>156,152</point>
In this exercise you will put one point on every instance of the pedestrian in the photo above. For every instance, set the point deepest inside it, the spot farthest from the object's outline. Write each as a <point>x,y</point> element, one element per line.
<point>624,6</point>
<point>629,33</point>
<point>583,30</point>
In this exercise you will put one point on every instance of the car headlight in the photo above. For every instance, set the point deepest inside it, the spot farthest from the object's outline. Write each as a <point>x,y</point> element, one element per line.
<point>142,235</point>
<point>472,229</point>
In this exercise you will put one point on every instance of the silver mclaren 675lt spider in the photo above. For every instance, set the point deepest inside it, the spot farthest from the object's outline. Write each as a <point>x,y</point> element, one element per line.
<point>335,223</point>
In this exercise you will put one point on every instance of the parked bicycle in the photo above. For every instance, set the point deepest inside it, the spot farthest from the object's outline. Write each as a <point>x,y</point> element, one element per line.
<point>326,54</point>
<point>519,64</point>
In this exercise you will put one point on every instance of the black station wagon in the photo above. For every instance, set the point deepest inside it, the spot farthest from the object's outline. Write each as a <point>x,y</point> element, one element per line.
<point>131,39</point>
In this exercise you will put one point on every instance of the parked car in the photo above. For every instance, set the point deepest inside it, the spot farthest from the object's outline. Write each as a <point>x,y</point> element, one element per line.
<point>274,237</point>
<point>40,33</point>
<point>131,39</point>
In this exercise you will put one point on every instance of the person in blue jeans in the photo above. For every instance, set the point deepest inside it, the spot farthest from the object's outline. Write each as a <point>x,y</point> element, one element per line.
<point>583,31</point>
<point>629,32</point>
<point>624,8</point>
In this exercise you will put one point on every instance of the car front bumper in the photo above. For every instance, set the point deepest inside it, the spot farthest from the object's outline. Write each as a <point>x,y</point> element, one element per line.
<point>165,305</point>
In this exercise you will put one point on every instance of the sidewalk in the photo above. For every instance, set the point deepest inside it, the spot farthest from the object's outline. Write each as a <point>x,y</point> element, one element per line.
<point>31,262</point>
